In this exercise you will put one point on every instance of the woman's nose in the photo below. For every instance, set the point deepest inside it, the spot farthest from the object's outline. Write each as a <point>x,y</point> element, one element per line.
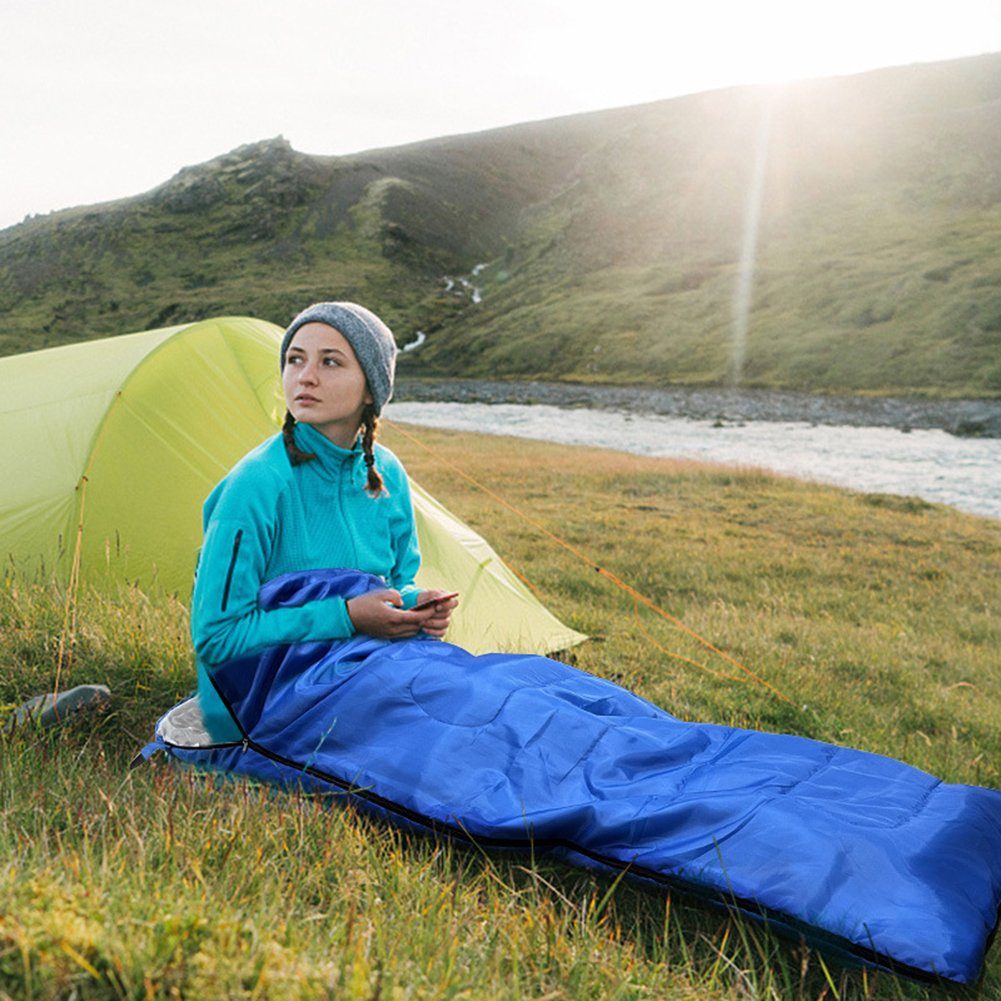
<point>307,373</point>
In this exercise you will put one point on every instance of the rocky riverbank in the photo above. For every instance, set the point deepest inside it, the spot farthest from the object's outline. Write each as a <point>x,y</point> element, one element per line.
<point>976,418</point>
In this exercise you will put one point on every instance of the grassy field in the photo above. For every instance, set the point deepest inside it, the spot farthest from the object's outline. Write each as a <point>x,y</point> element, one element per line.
<point>877,616</point>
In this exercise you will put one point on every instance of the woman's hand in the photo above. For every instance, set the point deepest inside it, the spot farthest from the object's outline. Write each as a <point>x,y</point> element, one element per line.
<point>371,615</point>
<point>441,614</point>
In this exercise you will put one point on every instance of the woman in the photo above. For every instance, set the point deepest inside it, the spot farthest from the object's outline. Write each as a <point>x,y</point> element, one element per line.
<point>321,493</point>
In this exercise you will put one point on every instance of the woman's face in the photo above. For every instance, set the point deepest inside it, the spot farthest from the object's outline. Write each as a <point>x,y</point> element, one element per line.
<point>324,384</point>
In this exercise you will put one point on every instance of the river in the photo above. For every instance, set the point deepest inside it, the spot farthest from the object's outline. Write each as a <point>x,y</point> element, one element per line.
<point>930,463</point>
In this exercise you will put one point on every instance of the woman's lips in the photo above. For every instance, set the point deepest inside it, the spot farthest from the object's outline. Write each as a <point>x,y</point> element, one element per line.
<point>306,399</point>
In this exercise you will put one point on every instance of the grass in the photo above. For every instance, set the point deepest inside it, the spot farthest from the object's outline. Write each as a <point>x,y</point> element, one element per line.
<point>917,317</point>
<point>877,616</point>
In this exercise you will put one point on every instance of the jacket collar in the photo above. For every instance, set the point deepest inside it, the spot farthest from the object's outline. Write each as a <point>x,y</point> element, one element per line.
<point>330,458</point>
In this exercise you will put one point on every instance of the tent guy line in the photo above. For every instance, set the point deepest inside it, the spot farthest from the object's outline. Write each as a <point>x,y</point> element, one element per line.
<point>636,595</point>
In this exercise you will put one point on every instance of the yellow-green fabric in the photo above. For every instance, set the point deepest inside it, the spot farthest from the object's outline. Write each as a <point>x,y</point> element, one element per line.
<point>128,435</point>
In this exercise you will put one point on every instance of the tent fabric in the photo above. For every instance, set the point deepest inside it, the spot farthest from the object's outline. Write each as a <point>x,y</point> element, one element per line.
<point>130,434</point>
<point>861,853</point>
<point>52,403</point>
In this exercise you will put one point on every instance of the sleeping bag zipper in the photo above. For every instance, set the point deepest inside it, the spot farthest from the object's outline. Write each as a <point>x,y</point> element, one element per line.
<point>232,565</point>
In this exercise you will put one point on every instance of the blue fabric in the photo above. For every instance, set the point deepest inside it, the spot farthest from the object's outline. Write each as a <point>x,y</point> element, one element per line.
<point>867,853</point>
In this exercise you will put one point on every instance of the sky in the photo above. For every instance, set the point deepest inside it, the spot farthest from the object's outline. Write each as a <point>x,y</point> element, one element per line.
<point>102,99</point>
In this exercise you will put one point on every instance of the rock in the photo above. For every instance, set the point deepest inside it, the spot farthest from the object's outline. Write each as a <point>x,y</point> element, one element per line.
<point>51,709</point>
<point>192,193</point>
<point>725,407</point>
<point>969,428</point>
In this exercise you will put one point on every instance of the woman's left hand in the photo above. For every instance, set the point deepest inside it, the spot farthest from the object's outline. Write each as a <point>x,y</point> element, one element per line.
<point>438,623</point>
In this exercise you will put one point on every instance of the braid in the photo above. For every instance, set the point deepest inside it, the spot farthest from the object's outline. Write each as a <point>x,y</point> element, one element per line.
<point>370,423</point>
<point>296,455</point>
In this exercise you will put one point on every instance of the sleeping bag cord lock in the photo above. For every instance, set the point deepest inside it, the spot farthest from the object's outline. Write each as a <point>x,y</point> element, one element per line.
<point>637,596</point>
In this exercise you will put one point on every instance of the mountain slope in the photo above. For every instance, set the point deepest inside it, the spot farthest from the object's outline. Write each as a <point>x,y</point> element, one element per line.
<point>611,243</point>
<point>876,258</point>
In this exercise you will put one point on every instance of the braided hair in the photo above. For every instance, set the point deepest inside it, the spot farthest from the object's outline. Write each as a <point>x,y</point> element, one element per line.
<point>295,454</point>
<point>370,425</point>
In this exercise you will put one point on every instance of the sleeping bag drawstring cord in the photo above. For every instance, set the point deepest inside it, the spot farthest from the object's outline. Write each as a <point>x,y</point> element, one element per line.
<point>637,596</point>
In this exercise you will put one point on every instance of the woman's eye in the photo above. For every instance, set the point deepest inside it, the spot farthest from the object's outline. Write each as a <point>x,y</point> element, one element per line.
<point>331,361</point>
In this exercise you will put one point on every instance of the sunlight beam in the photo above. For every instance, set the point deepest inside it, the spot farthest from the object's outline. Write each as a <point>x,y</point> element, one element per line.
<point>749,247</point>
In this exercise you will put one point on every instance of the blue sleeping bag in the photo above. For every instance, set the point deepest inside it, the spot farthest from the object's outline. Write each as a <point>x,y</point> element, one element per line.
<point>856,851</point>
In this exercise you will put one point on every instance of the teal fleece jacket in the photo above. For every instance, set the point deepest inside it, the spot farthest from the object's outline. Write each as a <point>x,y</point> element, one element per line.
<point>267,518</point>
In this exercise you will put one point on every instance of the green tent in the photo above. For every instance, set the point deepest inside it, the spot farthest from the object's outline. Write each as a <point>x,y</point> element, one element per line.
<point>119,441</point>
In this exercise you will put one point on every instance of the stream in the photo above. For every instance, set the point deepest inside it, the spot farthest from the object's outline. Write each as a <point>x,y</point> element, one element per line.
<point>926,462</point>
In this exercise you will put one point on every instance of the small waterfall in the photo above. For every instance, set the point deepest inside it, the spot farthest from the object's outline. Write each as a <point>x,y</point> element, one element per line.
<point>416,342</point>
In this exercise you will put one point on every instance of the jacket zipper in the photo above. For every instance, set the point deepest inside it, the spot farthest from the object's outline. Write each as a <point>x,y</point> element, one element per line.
<point>232,565</point>
<point>340,500</point>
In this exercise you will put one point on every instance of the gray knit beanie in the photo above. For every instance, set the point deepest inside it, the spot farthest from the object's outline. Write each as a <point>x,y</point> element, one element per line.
<point>372,341</point>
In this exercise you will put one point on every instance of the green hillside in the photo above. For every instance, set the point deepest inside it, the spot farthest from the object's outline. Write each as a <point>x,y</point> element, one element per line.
<point>611,242</point>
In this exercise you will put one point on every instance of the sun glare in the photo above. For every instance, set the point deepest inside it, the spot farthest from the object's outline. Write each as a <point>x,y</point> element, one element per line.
<point>657,52</point>
<point>475,67</point>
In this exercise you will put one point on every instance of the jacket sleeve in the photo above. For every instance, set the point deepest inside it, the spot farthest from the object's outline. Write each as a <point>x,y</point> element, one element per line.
<point>226,621</point>
<point>405,545</point>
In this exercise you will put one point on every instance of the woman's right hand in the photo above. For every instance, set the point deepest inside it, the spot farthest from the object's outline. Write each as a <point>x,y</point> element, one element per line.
<point>380,613</point>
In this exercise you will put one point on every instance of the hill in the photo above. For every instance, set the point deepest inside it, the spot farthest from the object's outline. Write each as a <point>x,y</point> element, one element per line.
<point>606,246</point>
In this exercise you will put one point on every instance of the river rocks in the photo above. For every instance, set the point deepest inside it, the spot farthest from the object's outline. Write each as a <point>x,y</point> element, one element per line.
<point>981,418</point>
